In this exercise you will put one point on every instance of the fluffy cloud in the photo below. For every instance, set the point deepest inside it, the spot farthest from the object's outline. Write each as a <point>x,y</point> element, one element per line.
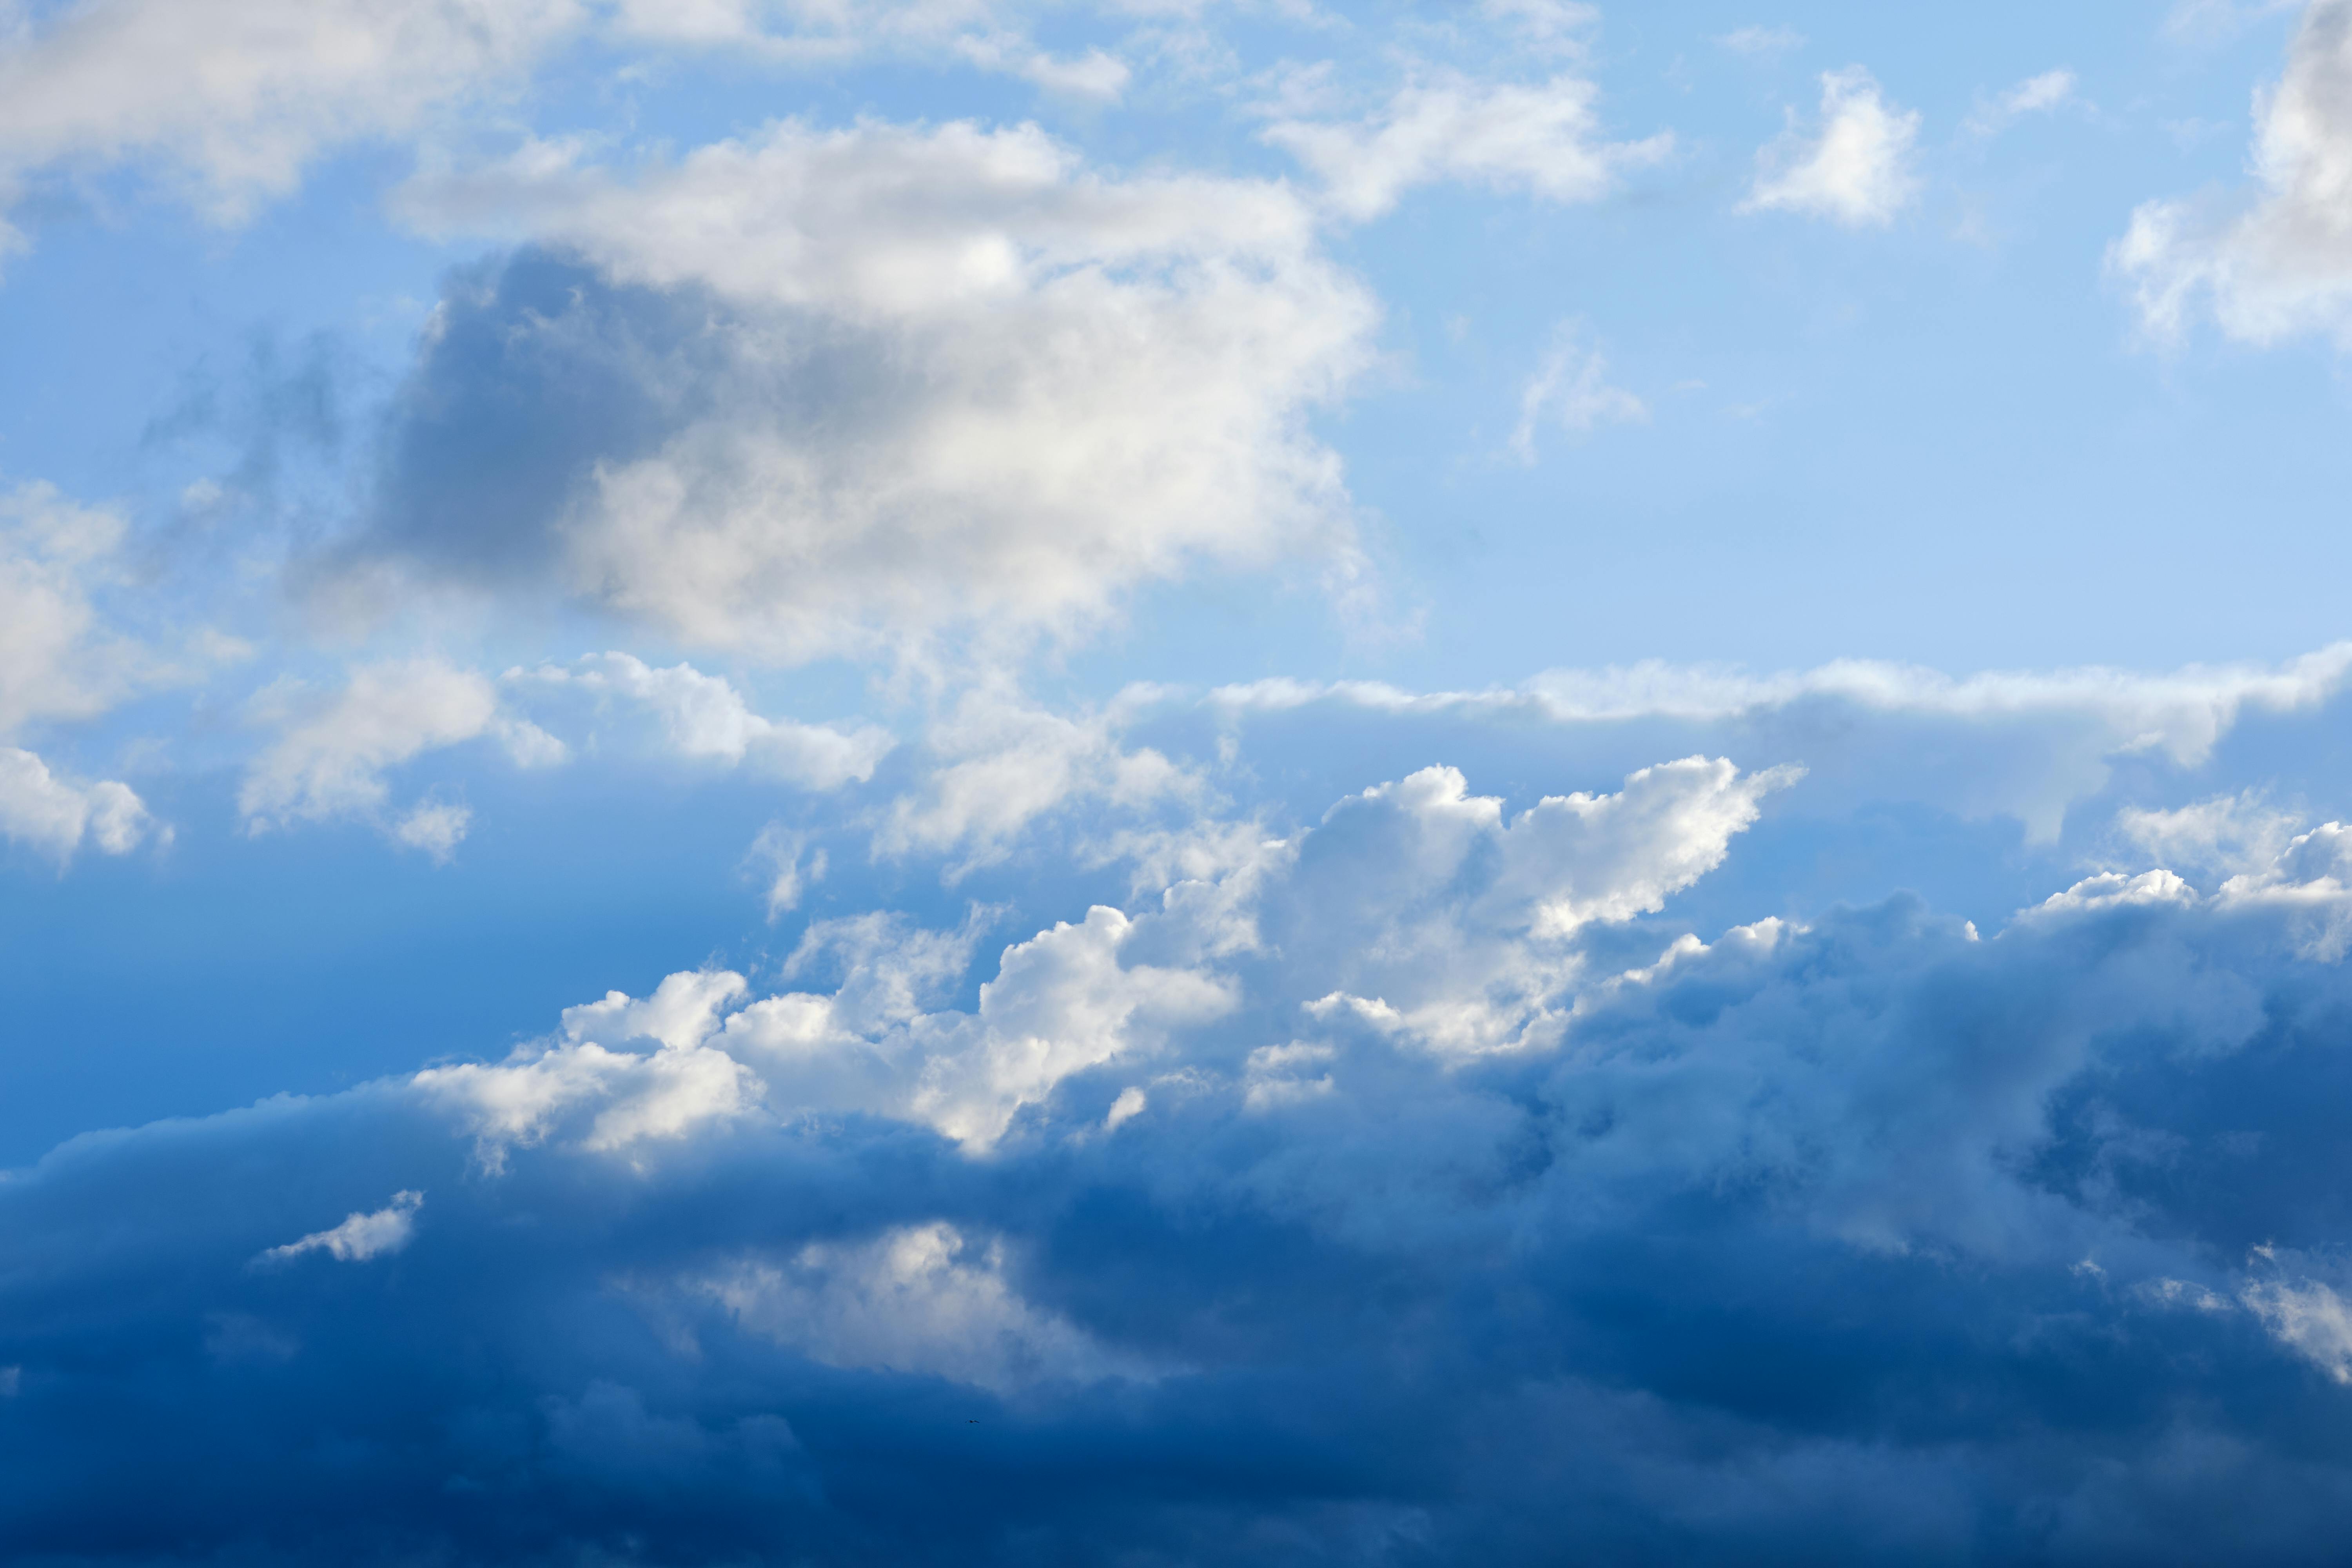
<point>237,98</point>
<point>1873,1236</point>
<point>2278,263</point>
<point>333,752</point>
<point>1853,168</point>
<point>59,815</point>
<point>59,659</point>
<point>1543,139</point>
<point>844,391</point>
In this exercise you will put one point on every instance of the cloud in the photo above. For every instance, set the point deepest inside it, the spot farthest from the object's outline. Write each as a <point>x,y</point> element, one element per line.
<point>998,764</point>
<point>850,392</point>
<point>1854,169</point>
<point>1572,388</point>
<point>986,36</point>
<point>2023,743</point>
<point>1864,1237</point>
<point>1543,139</point>
<point>332,752</point>
<point>1762,42</point>
<point>2276,262</point>
<point>2034,95</point>
<point>2226,834</point>
<point>234,100</point>
<point>360,1237</point>
<point>58,816</point>
<point>58,659</point>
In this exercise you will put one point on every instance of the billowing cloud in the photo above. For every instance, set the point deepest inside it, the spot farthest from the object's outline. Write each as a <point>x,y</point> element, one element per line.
<point>1868,1237</point>
<point>823,393</point>
<point>2276,263</point>
<point>1853,168</point>
<point>237,98</point>
<point>1543,139</point>
<point>333,751</point>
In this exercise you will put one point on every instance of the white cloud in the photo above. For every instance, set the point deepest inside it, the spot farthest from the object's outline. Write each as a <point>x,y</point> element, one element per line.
<point>2035,741</point>
<point>56,815</point>
<point>1853,168</point>
<point>2034,95</point>
<point>1571,387</point>
<point>57,659</point>
<point>360,1237</point>
<point>2227,834</point>
<point>1543,139</point>
<point>2277,262</point>
<point>333,752</point>
<point>922,1298</point>
<point>1042,386</point>
<point>235,96</point>
<point>704,716</point>
<point>1002,763</point>
<point>1554,26</point>
<point>2309,1318</point>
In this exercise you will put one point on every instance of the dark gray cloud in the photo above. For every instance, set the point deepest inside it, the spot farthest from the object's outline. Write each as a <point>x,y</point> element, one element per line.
<point>1871,1238</point>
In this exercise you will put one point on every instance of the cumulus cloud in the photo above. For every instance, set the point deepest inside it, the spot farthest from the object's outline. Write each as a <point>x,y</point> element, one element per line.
<point>1853,168</point>
<point>57,815</point>
<point>334,751</point>
<point>1571,388</point>
<point>822,393</point>
<point>1544,140</point>
<point>2227,834</point>
<point>237,99</point>
<point>2276,262</point>
<point>1861,1237</point>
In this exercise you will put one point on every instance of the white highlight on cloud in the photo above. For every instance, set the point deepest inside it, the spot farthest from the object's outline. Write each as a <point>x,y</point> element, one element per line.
<point>2228,834</point>
<point>1571,387</point>
<point>234,97</point>
<point>789,865</point>
<point>56,815</point>
<point>333,752</point>
<point>1543,139</point>
<point>360,1237</point>
<point>703,717</point>
<point>1042,385</point>
<point>2277,262</point>
<point>1853,169</point>
<point>2034,95</point>
<point>922,1299</point>
<point>1003,764</point>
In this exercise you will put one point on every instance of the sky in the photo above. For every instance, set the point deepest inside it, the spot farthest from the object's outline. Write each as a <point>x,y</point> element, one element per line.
<point>1177,782</point>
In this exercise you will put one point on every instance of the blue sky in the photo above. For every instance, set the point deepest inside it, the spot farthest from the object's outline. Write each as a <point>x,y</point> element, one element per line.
<point>1173,782</point>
